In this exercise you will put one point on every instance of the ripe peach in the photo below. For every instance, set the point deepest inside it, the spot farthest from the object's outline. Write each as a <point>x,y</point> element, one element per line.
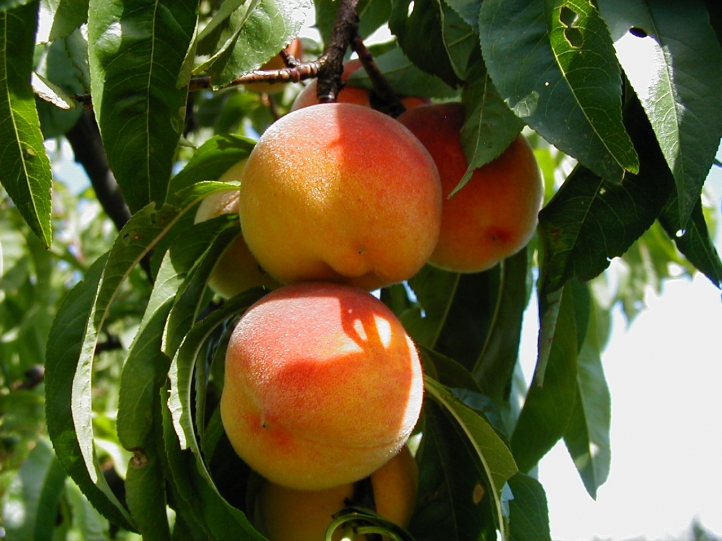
<point>340,193</point>
<point>237,269</point>
<point>322,385</point>
<point>495,214</point>
<point>295,48</point>
<point>285,514</point>
<point>348,94</point>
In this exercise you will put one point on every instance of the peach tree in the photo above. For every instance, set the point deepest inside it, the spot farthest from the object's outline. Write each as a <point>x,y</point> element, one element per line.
<point>112,343</point>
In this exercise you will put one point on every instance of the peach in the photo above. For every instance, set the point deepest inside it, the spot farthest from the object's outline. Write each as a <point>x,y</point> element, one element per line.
<point>322,385</point>
<point>285,514</point>
<point>237,269</point>
<point>348,94</point>
<point>295,49</point>
<point>340,193</point>
<point>495,214</point>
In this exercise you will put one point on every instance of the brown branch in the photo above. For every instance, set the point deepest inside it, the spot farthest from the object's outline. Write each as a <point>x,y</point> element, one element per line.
<point>382,89</point>
<point>345,29</point>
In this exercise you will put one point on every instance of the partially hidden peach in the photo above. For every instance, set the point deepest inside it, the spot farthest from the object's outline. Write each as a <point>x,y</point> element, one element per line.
<point>285,514</point>
<point>295,49</point>
<point>322,385</point>
<point>348,94</point>
<point>495,214</point>
<point>237,269</point>
<point>343,193</point>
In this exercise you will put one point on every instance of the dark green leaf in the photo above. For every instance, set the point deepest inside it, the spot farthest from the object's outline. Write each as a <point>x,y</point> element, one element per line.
<point>11,4</point>
<point>553,391</point>
<point>589,221</point>
<point>496,460</point>
<point>404,77</point>
<point>529,513</point>
<point>587,435</point>
<point>674,63</point>
<point>468,10</point>
<point>554,64</point>
<point>249,36</point>
<point>693,240</point>
<point>459,39</point>
<point>450,483</point>
<point>490,125</point>
<point>136,51</point>
<point>31,502</point>
<point>419,28</point>
<point>24,167</point>
<point>213,158</point>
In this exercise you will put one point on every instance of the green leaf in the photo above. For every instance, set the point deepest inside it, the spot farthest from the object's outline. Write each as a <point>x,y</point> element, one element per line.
<point>587,435</point>
<point>32,500</point>
<point>249,36</point>
<point>460,40</point>
<point>490,125</point>
<point>72,342</point>
<point>404,77</point>
<point>552,393</point>
<point>136,51</point>
<point>693,240</point>
<point>468,10</point>
<point>66,17</point>
<point>528,509</point>
<point>673,60</point>
<point>419,28</point>
<point>24,165</point>
<point>213,158</point>
<point>554,64</point>
<point>589,221</point>
<point>11,4</point>
<point>496,459</point>
<point>68,367</point>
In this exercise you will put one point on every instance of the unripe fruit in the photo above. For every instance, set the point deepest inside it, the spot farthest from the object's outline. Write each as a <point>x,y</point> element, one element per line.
<point>341,193</point>
<point>348,94</point>
<point>285,514</point>
<point>294,49</point>
<point>322,385</point>
<point>237,269</point>
<point>495,214</point>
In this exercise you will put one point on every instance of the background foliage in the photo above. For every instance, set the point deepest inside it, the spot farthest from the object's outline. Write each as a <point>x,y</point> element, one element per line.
<point>103,305</point>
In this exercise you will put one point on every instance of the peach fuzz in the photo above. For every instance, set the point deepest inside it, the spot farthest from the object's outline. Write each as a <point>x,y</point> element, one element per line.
<point>348,94</point>
<point>340,193</point>
<point>237,269</point>
<point>322,386</point>
<point>495,214</point>
<point>282,514</point>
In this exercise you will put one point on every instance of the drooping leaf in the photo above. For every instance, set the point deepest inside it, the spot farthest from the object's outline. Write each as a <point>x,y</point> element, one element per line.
<point>136,51</point>
<point>529,512</point>
<point>693,240</point>
<point>554,64</point>
<point>490,125</point>
<point>674,63</point>
<point>249,36</point>
<point>587,435</point>
<point>467,10</point>
<point>72,342</point>
<point>589,221</point>
<point>460,39</point>
<point>24,165</point>
<point>552,393</point>
<point>496,460</point>
<point>32,499</point>
<point>419,28</point>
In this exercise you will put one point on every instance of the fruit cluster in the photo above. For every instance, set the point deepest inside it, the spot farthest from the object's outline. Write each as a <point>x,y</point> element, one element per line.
<point>323,386</point>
